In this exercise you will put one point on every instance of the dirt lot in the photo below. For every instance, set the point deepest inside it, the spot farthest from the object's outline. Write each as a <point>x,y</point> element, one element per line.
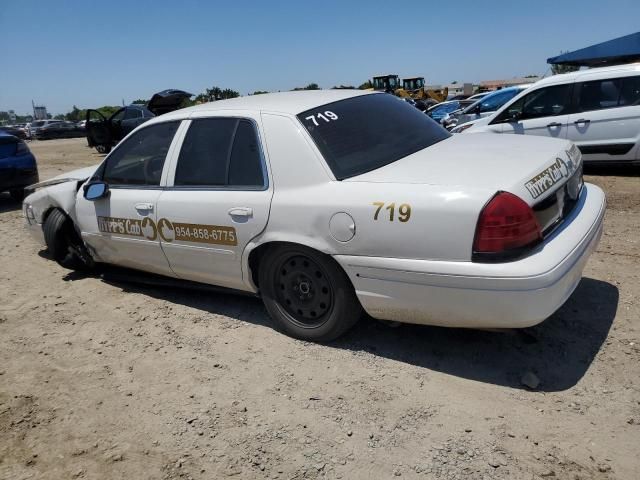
<point>100,379</point>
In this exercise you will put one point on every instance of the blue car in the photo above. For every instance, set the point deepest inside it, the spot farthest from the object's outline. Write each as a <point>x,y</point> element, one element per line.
<point>18,168</point>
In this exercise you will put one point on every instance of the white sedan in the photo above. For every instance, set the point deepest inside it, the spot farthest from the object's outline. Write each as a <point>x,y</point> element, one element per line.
<point>327,203</point>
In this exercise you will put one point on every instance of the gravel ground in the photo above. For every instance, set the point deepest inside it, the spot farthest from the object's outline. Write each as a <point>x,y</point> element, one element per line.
<point>103,379</point>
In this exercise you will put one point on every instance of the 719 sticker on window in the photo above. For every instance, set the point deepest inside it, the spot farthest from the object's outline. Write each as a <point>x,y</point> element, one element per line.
<point>326,117</point>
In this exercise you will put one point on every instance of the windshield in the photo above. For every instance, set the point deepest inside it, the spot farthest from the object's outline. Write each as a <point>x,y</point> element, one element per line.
<point>493,101</point>
<point>363,133</point>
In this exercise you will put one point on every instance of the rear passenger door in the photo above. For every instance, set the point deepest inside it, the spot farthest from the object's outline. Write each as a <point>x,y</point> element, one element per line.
<point>217,199</point>
<point>543,112</point>
<point>606,124</point>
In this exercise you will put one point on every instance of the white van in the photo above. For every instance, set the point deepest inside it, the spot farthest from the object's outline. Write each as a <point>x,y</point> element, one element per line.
<point>598,109</point>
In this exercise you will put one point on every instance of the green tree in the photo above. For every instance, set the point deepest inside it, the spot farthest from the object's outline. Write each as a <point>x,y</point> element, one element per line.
<point>75,115</point>
<point>366,85</point>
<point>59,116</point>
<point>259,92</point>
<point>557,68</point>
<point>311,86</point>
<point>140,101</point>
<point>229,93</point>
<point>343,87</point>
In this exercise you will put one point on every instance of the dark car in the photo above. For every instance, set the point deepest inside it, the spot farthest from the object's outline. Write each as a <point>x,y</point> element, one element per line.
<point>104,133</point>
<point>14,130</point>
<point>437,112</point>
<point>58,130</point>
<point>18,168</point>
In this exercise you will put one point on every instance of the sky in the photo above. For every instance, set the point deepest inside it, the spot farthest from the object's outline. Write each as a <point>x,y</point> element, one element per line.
<point>89,53</point>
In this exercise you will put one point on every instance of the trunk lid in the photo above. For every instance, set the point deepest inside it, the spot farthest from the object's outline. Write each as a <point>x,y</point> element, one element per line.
<point>530,167</point>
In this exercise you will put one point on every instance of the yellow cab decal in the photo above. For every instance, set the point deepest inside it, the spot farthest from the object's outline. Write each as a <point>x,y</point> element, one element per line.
<point>169,231</point>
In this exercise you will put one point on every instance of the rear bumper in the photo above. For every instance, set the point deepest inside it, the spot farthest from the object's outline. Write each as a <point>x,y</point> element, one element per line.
<point>479,295</point>
<point>17,177</point>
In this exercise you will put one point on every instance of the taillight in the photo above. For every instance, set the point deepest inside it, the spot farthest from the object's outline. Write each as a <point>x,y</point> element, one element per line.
<point>21,148</point>
<point>506,228</point>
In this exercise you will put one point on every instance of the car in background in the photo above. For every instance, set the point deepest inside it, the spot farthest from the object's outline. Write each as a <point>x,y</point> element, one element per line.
<point>478,96</point>
<point>483,107</point>
<point>104,133</point>
<point>61,129</point>
<point>363,202</point>
<point>18,167</point>
<point>440,110</point>
<point>14,130</point>
<point>38,124</point>
<point>597,109</point>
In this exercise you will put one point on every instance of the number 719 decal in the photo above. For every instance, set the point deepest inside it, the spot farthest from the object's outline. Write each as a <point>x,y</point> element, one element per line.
<point>404,211</point>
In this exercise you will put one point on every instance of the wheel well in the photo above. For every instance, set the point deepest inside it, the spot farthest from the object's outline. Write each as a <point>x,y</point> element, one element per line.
<point>257,255</point>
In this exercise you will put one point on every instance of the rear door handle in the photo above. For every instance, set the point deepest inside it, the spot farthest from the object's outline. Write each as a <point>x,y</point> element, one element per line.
<point>144,207</point>
<point>581,120</point>
<point>241,212</point>
<point>554,125</point>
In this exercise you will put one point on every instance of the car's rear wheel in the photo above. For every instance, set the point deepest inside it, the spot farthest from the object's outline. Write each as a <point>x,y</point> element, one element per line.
<point>103,149</point>
<point>307,294</point>
<point>64,243</point>
<point>17,194</point>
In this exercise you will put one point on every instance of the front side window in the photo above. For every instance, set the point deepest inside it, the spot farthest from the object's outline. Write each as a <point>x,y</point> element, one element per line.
<point>363,133</point>
<point>220,152</point>
<point>140,158</point>
<point>544,102</point>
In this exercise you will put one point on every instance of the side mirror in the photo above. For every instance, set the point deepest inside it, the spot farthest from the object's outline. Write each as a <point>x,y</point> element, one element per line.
<point>96,190</point>
<point>513,115</point>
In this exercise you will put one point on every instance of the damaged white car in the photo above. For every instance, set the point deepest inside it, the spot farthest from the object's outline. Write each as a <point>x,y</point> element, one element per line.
<point>327,203</point>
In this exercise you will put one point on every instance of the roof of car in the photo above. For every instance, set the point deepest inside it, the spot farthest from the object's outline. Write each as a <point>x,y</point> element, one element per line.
<point>604,71</point>
<point>285,102</point>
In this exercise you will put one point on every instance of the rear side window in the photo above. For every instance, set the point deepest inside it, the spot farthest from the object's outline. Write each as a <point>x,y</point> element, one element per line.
<point>219,152</point>
<point>363,133</point>
<point>630,92</point>
<point>132,113</point>
<point>140,158</point>
<point>599,94</point>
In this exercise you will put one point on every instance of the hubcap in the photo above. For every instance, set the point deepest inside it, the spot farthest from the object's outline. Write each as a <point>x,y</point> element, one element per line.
<point>303,290</point>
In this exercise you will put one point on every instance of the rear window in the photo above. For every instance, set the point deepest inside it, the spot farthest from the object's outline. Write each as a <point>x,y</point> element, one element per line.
<point>361,134</point>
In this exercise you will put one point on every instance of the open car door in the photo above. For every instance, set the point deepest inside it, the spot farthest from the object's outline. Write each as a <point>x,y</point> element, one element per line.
<point>167,101</point>
<point>99,133</point>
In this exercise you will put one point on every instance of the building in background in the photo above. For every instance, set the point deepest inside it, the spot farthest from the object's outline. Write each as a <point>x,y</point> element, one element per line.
<point>39,111</point>
<point>489,85</point>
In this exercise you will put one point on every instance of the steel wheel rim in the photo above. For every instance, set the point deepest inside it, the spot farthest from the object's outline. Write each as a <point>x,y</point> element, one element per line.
<point>303,290</point>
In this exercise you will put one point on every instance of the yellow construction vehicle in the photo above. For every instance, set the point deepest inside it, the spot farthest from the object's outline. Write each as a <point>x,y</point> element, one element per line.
<point>413,88</point>
<point>386,83</point>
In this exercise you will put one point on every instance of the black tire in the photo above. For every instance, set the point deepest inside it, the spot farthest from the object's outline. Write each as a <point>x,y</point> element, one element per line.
<point>17,194</point>
<point>103,149</point>
<point>307,294</point>
<point>64,243</point>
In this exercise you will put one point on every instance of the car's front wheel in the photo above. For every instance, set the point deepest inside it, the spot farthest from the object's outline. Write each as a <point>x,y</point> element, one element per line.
<point>103,148</point>
<point>307,294</point>
<point>64,243</point>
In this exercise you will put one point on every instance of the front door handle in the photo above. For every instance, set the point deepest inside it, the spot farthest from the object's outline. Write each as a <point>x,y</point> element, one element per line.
<point>554,125</point>
<point>241,212</point>
<point>144,207</point>
<point>582,120</point>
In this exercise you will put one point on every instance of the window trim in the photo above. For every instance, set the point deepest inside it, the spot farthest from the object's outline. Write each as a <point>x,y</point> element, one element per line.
<point>186,124</point>
<point>103,166</point>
